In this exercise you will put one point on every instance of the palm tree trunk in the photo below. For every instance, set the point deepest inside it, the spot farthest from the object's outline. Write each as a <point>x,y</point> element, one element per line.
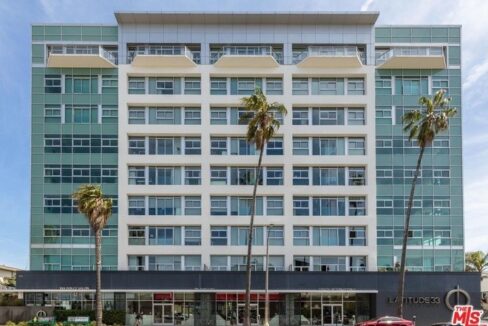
<point>401,284</point>
<point>98,295</point>
<point>247,308</point>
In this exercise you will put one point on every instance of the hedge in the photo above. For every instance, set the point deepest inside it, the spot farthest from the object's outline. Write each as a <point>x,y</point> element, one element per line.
<point>110,317</point>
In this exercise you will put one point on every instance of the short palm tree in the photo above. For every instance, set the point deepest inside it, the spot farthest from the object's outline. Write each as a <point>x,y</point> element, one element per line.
<point>97,208</point>
<point>476,261</point>
<point>423,126</point>
<point>262,126</point>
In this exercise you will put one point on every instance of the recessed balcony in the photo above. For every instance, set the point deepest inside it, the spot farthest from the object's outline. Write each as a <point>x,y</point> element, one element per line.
<point>162,56</point>
<point>246,57</point>
<point>81,56</point>
<point>412,58</point>
<point>328,57</point>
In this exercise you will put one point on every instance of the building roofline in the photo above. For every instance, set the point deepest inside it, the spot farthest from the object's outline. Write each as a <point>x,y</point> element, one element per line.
<point>421,25</point>
<point>249,17</point>
<point>74,24</point>
<point>8,268</point>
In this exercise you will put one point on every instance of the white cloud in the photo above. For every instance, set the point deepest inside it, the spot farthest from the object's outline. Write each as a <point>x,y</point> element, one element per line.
<point>366,5</point>
<point>475,73</point>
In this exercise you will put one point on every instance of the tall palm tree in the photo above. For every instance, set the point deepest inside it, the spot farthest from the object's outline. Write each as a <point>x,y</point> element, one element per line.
<point>476,261</point>
<point>262,126</point>
<point>97,208</point>
<point>423,126</point>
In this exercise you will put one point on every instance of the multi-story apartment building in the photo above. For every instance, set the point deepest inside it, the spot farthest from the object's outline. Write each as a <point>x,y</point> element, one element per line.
<point>151,109</point>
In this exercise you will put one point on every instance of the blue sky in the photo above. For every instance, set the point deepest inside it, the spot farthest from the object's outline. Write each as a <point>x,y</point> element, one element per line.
<point>16,16</point>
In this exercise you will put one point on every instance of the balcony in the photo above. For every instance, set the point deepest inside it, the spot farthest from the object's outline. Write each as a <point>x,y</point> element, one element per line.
<point>81,56</point>
<point>412,58</point>
<point>329,57</point>
<point>246,57</point>
<point>162,56</point>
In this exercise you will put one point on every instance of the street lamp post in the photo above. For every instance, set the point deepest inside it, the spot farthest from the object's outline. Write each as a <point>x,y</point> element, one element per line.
<point>266,279</point>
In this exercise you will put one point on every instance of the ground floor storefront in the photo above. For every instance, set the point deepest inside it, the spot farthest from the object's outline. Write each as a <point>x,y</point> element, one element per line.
<point>217,298</point>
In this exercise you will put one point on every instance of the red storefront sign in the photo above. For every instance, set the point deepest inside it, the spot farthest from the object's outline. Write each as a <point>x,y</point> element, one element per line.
<point>168,296</point>
<point>242,296</point>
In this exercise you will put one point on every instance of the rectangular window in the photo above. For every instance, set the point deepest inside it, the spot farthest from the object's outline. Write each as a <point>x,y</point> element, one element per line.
<point>164,236</point>
<point>137,235</point>
<point>357,236</point>
<point>439,84</point>
<point>52,114</point>
<point>218,116</point>
<point>384,115</point>
<point>240,146</point>
<point>193,205</point>
<point>165,146</point>
<point>300,116</point>
<point>192,85</point>
<point>193,236</point>
<point>137,145</point>
<point>300,86</point>
<point>356,146</point>
<point>164,175</point>
<point>218,236</point>
<point>329,206</point>
<point>301,236</point>
<point>300,176</point>
<point>218,263</point>
<point>357,206</point>
<point>275,146</point>
<point>356,176</point>
<point>137,116</point>
<point>300,146</point>
<point>137,205</point>
<point>275,236</point>
<point>328,146</point>
<point>218,205</point>
<point>164,206</point>
<point>218,175</point>
<point>193,175</point>
<point>137,175</point>
<point>330,176</point>
<point>323,116</point>
<point>242,206</point>
<point>355,117</point>
<point>81,84</point>
<point>218,86</point>
<point>137,85</point>
<point>109,84</point>
<point>81,114</point>
<point>246,86</point>
<point>52,84</point>
<point>165,86</point>
<point>193,116</point>
<point>384,143</point>
<point>301,263</point>
<point>274,205</point>
<point>355,86</point>
<point>193,146</point>
<point>411,85</point>
<point>274,86</point>
<point>109,114</point>
<point>218,146</point>
<point>329,236</point>
<point>301,206</point>
<point>383,85</point>
<point>327,86</point>
<point>274,176</point>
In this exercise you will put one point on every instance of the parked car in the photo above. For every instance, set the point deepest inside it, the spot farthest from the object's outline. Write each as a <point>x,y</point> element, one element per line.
<point>387,320</point>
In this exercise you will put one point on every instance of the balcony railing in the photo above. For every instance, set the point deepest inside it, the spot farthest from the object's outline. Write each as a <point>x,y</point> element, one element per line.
<point>251,51</point>
<point>76,51</point>
<point>427,55</point>
<point>163,50</point>
<point>332,56</point>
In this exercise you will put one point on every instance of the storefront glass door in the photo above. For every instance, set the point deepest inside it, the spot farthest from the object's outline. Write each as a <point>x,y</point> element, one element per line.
<point>163,314</point>
<point>254,314</point>
<point>331,315</point>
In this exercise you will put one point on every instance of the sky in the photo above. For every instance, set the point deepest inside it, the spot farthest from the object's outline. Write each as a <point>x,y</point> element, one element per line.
<point>16,17</point>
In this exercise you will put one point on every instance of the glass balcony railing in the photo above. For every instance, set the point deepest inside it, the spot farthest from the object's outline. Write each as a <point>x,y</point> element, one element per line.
<point>239,50</point>
<point>436,51</point>
<point>109,53</point>
<point>328,52</point>
<point>162,50</point>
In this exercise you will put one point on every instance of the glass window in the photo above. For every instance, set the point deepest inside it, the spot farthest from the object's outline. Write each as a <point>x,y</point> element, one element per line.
<point>165,86</point>
<point>192,85</point>
<point>52,84</point>
<point>109,114</point>
<point>137,205</point>
<point>218,235</point>
<point>218,205</point>
<point>275,236</point>
<point>164,205</point>
<point>327,146</point>
<point>274,86</point>
<point>242,206</point>
<point>193,175</point>
<point>356,146</point>
<point>137,145</point>
<point>329,236</point>
<point>193,116</point>
<point>193,146</point>
<point>357,236</point>
<point>137,175</point>
<point>357,176</point>
<point>329,206</point>
<point>137,85</point>
<point>327,116</point>
<point>137,235</point>
<point>164,175</point>
<point>193,236</point>
<point>300,146</point>
<point>218,86</point>
<point>218,116</point>
<point>246,86</point>
<point>355,117</point>
<point>355,86</point>
<point>218,146</point>
<point>52,114</point>
<point>300,116</point>
<point>328,176</point>
<point>218,263</point>
<point>300,86</point>
<point>275,146</point>
<point>329,263</point>
<point>274,176</point>
<point>357,263</point>
<point>193,205</point>
<point>137,116</point>
<point>357,206</point>
<point>301,263</point>
<point>274,205</point>
<point>301,206</point>
<point>300,176</point>
<point>218,175</point>
<point>109,84</point>
<point>164,263</point>
<point>383,85</point>
<point>301,236</point>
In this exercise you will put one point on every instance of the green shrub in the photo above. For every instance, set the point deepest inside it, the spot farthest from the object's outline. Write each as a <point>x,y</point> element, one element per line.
<point>110,317</point>
<point>10,323</point>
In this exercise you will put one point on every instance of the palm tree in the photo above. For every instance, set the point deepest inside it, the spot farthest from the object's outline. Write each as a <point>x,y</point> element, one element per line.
<point>263,124</point>
<point>423,126</point>
<point>97,208</point>
<point>476,261</point>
